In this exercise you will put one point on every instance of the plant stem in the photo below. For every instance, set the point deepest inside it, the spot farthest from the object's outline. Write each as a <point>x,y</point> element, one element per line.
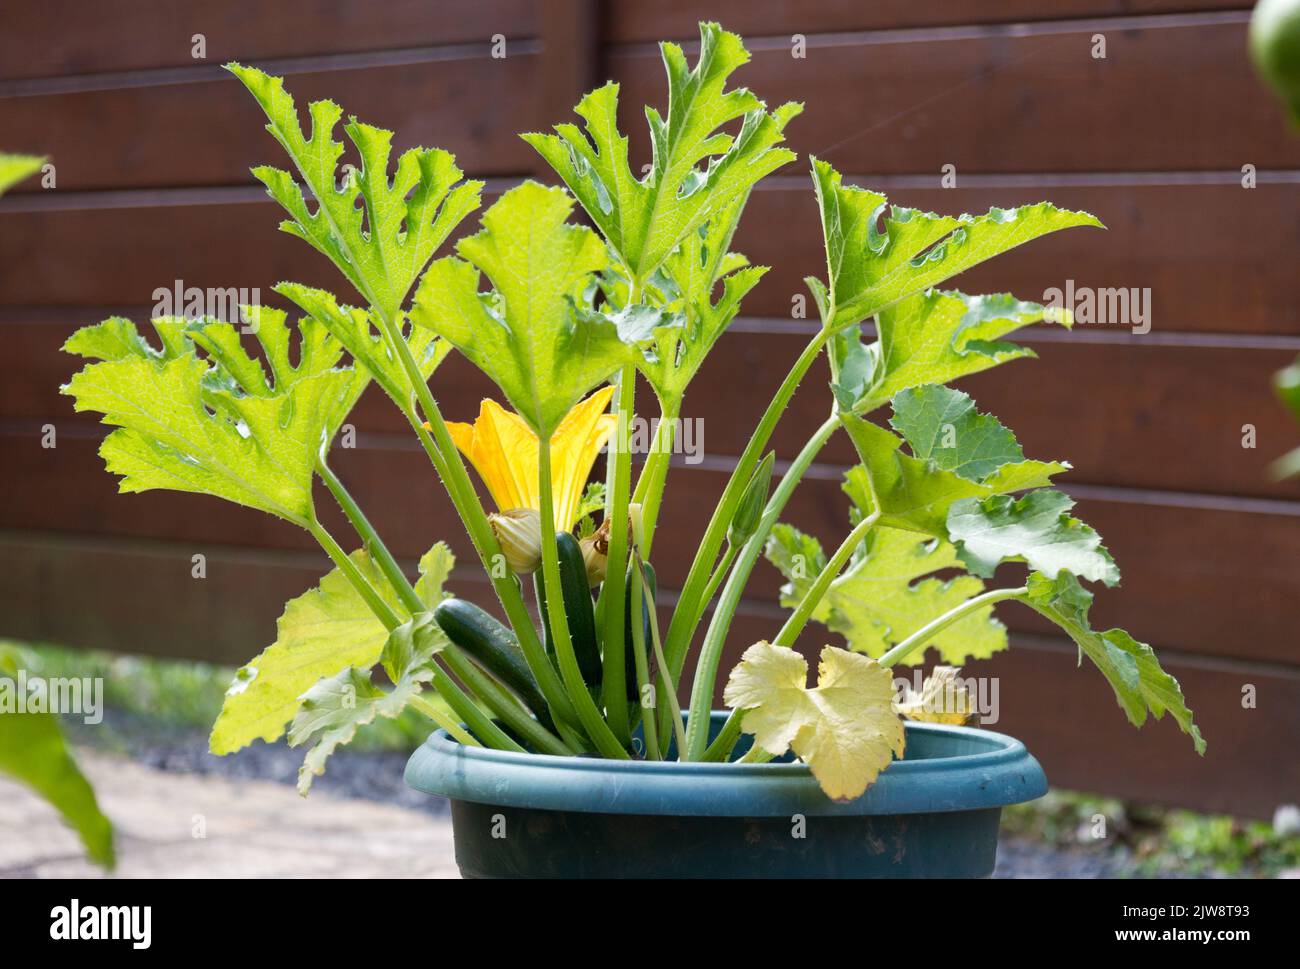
<point>936,626</point>
<point>670,688</point>
<point>690,606</point>
<point>816,592</point>
<point>706,670</point>
<point>382,610</point>
<point>645,689</point>
<point>465,708</point>
<point>446,723</point>
<point>654,473</point>
<point>726,739</point>
<point>502,703</point>
<point>719,574</point>
<point>612,594</point>
<point>715,580</point>
<point>588,712</point>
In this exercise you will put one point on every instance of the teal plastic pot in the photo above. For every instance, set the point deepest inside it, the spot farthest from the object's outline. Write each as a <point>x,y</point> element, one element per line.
<point>934,813</point>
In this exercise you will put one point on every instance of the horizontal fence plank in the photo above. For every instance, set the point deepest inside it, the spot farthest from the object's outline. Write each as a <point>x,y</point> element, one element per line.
<point>1132,414</point>
<point>1064,714</point>
<point>1201,258</point>
<point>135,35</point>
<point>631,21</point>
<point>1174,96</point>
<point>212,132</point>
<point>1213,580</point>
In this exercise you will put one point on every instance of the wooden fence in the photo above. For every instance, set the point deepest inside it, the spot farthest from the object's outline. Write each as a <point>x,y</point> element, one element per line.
<point>152,149</point>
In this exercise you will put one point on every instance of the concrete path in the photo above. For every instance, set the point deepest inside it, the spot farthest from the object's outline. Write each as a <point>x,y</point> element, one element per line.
<point>177,826</point>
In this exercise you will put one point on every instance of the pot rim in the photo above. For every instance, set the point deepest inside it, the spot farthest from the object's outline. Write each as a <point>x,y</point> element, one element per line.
<point>1002,773</point>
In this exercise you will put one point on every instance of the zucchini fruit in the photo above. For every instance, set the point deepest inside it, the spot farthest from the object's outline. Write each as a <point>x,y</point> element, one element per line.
<point>494,647</point>
<point>576,592</point>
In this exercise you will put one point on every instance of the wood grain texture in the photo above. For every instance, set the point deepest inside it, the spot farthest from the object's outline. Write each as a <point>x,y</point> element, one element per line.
<point>138,35</point>
<point>211,132</point>
<point>633,21</point>
<point>1009,102</point>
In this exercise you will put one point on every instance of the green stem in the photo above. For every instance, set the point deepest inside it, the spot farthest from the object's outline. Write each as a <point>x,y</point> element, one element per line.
<point>649,492</point>
<point>726,739</point>
<point>504,705</point>
<point>611,608</point>
<point>645,689</point>
<point>465,708</point>
<point>936,626</point>
<point>690,605</point>
<point>803,612</point>
<point>670,688</point>
<point>588,713</point>
<point>715,580</point>
<point>706,670</point>
<point>382,610</point>
<point>445,722</point>
<point>719,574</point>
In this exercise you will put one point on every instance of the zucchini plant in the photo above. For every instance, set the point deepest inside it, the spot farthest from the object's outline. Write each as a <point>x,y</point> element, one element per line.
<point>566,320</point>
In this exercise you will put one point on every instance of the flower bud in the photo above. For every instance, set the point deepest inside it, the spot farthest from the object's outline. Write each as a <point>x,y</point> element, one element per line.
<point>750,510</point>
<point>519,533</point>
<point>595,552</point>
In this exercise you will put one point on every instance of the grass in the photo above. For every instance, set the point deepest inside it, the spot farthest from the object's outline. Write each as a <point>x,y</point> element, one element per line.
<point>186,695</point>
<point>1156,840</point>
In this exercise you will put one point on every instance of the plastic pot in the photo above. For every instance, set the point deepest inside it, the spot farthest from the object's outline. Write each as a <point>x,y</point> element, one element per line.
<point>934,813</point>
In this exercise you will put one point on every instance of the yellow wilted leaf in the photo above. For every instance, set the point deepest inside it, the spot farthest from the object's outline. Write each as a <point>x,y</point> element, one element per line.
<point>941,699</point>
<point>845,729</point>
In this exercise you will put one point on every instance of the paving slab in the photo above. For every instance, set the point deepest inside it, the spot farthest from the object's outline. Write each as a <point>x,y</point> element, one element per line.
<point>173,825</point>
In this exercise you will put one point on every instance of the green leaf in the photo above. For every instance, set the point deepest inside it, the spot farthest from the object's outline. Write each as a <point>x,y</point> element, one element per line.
<point>33,751</point>
<point>872,266</point>
<point>845,729</point>
<point>526,334</point>
<point>14,168</point>
<point>1287,383</point>
<point>798,557</point>
<point>1036,528</point>
<point>336,706</point>
<point>932,337</point>
<point>382,244</point>
<point>357,330</point>
<point>942,426</point>
<point>1130,667</point>
<point>217,425</point>
<point>321,633</point>
<point>914,493</point>
<point>878,602</point>
<point>696,168</point>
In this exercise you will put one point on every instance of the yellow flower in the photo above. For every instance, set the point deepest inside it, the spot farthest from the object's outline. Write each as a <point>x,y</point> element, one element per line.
<point>503,449</point>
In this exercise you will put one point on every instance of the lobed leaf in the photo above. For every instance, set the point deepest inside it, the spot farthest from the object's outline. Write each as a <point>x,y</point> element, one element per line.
<point>1036,528</point>
<point>527,334</point>
<point>889,592</point>
<point>845,729</point>
<point>878,254</point>
<point>219,424</point>
<point>15,168</point>
<point>1131,667</point>
<point>322,632</point>
<point>382,244</point>
<point>696,168</point>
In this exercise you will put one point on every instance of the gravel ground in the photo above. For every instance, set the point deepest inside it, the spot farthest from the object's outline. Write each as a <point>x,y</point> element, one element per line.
<point>377,776</point>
